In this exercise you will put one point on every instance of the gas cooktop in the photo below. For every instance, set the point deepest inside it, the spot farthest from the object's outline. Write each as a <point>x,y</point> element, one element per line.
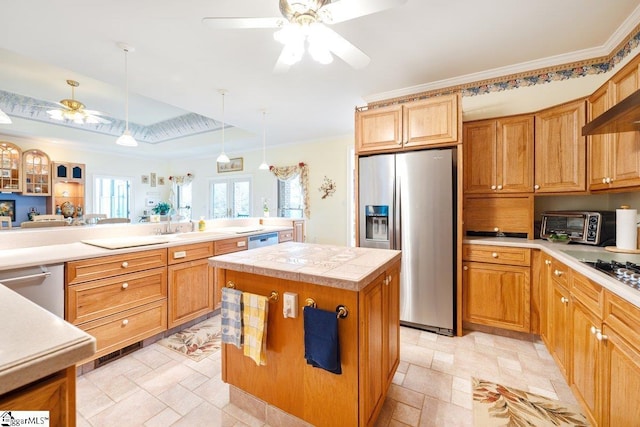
<point>625,272</point>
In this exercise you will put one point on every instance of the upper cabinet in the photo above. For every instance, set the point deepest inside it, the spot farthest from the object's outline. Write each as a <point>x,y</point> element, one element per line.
<point>560,149</point>
<point>36,172</point>
<point>429,122</point>
<point>10,172</point>
<point>68,172</point>
<point>67,195</point>
<point>498,155</point>
<point>614,158</point>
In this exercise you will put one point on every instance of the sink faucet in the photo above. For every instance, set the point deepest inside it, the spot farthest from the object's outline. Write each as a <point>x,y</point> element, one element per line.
<point>169,214</point>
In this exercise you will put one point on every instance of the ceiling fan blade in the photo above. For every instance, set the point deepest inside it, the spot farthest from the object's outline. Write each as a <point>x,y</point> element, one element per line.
<point>344,10</point>
<point>344,49</point>
<point>243,23</point>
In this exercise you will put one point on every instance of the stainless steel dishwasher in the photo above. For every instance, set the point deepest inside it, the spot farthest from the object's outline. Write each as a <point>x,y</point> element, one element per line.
<point>261,240</point>
<point>43,285</point>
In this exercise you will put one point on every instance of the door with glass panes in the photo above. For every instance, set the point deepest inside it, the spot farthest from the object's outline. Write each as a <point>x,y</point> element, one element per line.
<point>230,198</point>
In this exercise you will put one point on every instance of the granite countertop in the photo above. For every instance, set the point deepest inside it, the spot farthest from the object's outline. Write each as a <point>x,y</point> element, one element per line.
<point>336,266</point>
<point>571,255</point>
<point>59,253</point>
<point>36,343</point>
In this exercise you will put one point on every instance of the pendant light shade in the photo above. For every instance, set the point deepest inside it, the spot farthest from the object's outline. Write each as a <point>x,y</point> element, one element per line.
<point>126,139</point>
<point>264,166</point>
<point>222,158</point>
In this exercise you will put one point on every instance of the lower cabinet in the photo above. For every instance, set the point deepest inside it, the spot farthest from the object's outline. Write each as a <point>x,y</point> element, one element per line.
<point>190,282</point>
<point>496,291</point>
<point>558,326</point>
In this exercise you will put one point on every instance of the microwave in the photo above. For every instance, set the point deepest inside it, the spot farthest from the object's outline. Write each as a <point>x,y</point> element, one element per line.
<point>588,227</point>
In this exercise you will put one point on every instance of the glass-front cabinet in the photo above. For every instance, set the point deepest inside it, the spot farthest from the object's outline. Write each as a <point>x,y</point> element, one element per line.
<point>67,195</point>
<point>10,173</point>
<point>36,171</point>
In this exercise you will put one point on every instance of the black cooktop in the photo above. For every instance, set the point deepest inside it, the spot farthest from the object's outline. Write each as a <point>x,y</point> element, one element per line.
<point>625,272</point>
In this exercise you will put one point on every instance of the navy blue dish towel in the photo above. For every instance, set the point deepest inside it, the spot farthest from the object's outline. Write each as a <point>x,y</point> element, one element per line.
<point>321,345</point>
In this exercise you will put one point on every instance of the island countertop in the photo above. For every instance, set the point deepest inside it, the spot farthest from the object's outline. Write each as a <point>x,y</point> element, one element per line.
<point>349,268</point>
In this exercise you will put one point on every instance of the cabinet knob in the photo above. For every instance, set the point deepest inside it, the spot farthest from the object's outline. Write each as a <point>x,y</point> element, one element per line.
<point>125,264</point>
<point>494,254</point>
<point>388,280</point>
<point>594,330</point>
<point>125,322</point>
<point>564,300</point>
<point>125,285</point>
<point>496,229</point>
<point>547,262</point>
<point>493,187</point>
<point>465,268</point>
<point>499,187</point>
<point>536,187</point>
<point>558,273</point>
<point>601,337</point>
<point>399,142</point>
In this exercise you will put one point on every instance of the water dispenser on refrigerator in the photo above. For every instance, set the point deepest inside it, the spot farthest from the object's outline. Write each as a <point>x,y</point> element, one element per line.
<point>377,223</point>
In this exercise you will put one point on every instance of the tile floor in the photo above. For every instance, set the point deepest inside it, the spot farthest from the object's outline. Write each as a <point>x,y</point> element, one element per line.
<point>155,386</point>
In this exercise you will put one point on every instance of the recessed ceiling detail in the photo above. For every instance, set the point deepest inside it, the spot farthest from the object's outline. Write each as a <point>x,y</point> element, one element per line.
<point>178,127</point>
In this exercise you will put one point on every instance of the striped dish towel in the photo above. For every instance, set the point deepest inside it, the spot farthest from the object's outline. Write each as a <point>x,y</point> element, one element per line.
<point>231,317</point>
<point>254,316</point>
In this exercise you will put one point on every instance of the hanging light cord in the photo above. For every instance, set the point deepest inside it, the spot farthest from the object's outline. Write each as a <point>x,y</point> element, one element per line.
<point>126,88</point>
<point>264,138</point>
<point>223,122</point>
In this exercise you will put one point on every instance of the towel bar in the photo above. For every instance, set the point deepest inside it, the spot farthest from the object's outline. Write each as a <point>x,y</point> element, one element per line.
<point>341,310</point>
<point>274,296</point>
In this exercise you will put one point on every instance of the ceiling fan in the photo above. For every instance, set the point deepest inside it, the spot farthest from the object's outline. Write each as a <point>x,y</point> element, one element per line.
<point>305,22</point>
<point>74,110</point>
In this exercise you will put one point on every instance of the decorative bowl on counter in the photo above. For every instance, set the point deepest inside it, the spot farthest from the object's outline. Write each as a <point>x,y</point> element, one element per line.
<point>559,238</point>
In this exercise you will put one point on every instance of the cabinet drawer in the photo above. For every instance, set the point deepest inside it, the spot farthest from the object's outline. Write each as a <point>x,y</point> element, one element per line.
<point>230,245</point>
<point>588,293</point>
<point>98,298</point>
<point>623,317</point>
<point>560,273</point>
<point>119,330</point>
<point>497,254</point>
<point>115,265</point>
<point>184,253</point>
<point>499,214</point>
<point>285,236</point>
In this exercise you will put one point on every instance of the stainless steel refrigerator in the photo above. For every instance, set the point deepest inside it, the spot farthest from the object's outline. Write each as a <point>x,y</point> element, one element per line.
<point>407,201</point>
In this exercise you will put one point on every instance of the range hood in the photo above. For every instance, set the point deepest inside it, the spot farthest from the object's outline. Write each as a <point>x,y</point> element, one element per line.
<point>622,117</point>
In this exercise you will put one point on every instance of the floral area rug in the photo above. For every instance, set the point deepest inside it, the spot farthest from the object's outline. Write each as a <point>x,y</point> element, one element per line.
<point>197,342</point>
<point>498,405</point>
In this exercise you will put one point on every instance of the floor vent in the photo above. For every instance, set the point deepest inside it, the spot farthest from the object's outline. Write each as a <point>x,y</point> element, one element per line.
<point>101,361</point>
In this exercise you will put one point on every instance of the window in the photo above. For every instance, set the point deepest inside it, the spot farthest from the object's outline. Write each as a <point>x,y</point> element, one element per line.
<point>290,198</point>
<point>231,198</point>
<point>112,196</point>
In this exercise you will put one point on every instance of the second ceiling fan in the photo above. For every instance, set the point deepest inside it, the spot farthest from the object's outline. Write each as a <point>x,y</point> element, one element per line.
<point>304,23</point>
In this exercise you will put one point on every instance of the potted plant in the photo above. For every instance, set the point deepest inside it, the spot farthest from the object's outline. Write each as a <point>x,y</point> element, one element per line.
<point>161,208</point>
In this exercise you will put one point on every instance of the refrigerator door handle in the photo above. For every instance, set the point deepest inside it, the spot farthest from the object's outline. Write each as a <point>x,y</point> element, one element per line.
<point>397,215</point>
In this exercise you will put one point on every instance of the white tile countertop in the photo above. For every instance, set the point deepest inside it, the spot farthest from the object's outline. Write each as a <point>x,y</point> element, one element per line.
<point>335,266</point>
<point>571,255</point>
<point>36,343</point>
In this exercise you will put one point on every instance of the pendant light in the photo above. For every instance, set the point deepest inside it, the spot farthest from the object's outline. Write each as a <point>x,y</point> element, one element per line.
<point>126,139</point>
<point>222,158</point>
<point>264,166</point>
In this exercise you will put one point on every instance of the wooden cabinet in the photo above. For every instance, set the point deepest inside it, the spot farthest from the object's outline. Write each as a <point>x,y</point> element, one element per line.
<point>10,171</point>
<point>428,122</point>
<point>55,393</point>
<point>498,155</point>
<point>544,289</point>
<point>496,286</point>
<point>68,184</point>
<point>560,149</point>
<point>298,231</point>
<point>558,317</point>
<point>36,173</point>
<point>221,247</point>
<point>119,299</point>
<point>190,282</point>
<point>285,236</point>
<point>512,215</point>
<point>614,159</point>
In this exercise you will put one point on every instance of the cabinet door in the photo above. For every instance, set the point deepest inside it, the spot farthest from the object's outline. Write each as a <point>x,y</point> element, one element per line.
<point>298,231</point>
<point>598,145</point>
<point>544,289</point>
<point>621,375</point>
<point>392,304</point>
<point>36,173</point>
<point>558,324</point>
<point>430,121</point>
<point>479,157</point>
<point>625,159</point>
<point>379,129</point>
<point>10,167</point>
<point>496,295</point>
<point>372,345</point>
<point>190,291</point>
<point>514,163</point>
<point>560,149</point>
<point>585,363</point>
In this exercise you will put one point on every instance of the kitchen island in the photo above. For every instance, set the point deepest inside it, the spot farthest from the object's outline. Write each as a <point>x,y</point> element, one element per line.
<point>366,283</point>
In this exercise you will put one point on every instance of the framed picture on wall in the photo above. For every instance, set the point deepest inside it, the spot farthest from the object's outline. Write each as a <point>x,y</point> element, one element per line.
<point>8,208</point>
<point>234,165</point>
